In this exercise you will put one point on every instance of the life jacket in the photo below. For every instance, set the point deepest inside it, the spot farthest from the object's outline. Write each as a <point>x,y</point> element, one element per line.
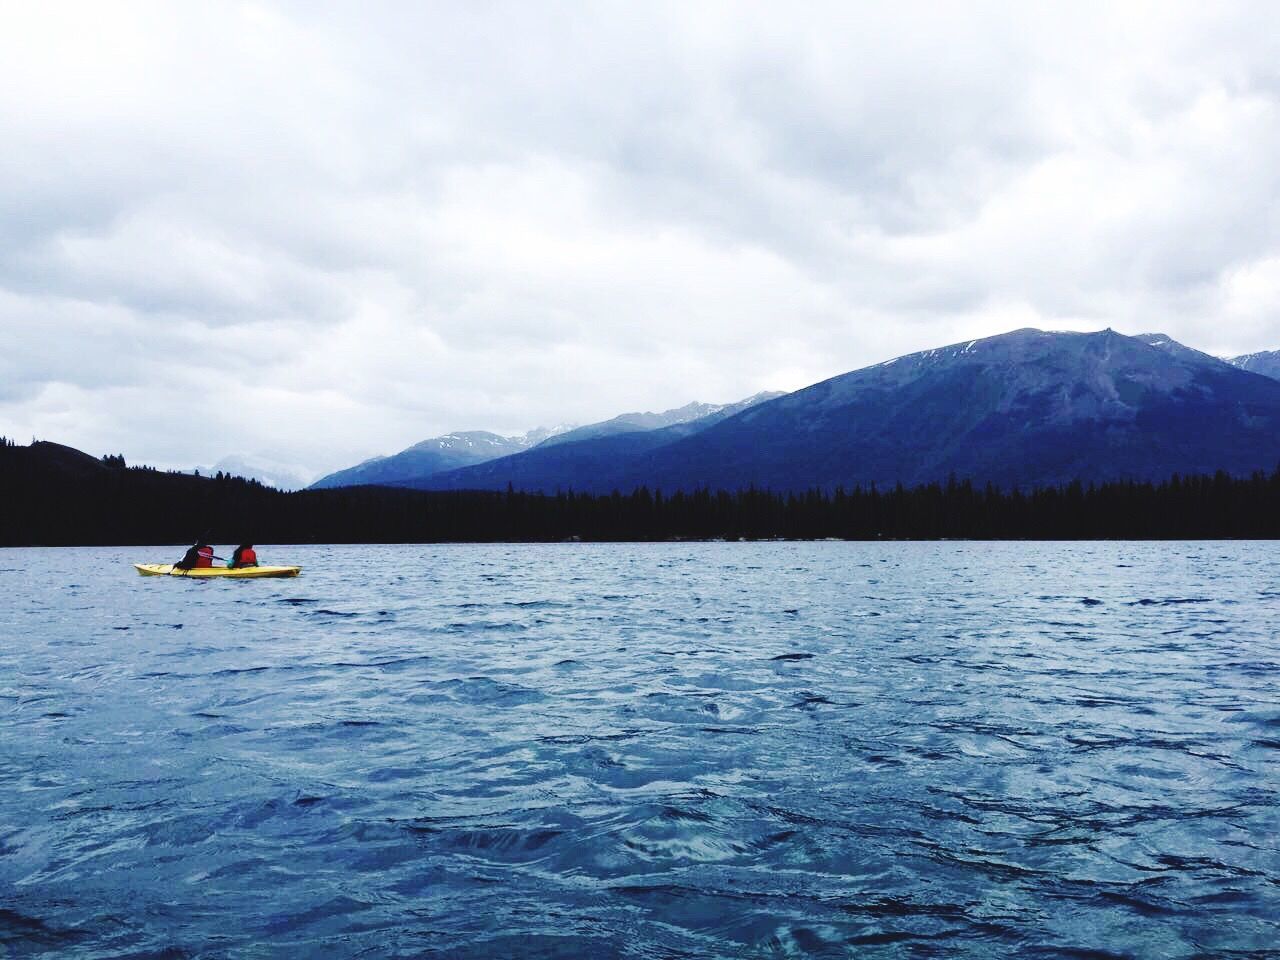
<point>204,557</point>
<point>247,558</point>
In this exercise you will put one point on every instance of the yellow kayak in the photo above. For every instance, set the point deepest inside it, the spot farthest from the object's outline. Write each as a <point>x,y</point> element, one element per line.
<point>242,573</point>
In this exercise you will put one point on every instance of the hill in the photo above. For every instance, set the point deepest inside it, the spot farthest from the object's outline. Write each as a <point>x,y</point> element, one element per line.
<point>54,495</point>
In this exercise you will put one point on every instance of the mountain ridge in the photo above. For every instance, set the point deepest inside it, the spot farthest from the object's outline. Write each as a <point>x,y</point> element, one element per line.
<point>1023,408</point>
<point>1265,362</point>
<point>590,453</point>
<point>1093,404</point>
<point>434,454</point>
<point>463,449</point>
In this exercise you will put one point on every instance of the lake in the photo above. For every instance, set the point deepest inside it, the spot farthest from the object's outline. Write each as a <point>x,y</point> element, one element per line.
<point>653,750</point>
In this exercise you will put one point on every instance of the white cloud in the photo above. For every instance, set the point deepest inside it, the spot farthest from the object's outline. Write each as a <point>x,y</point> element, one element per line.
<point>353,228</point>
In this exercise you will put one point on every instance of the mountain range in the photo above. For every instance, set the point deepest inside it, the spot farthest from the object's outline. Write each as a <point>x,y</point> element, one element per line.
<point>436,455</point>
<point>444,454</point>
<point>1024,408</point>
<point>1266,363</point>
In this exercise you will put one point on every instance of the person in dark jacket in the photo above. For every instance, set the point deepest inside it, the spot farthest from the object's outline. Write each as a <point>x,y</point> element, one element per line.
<point>197,555</point>
<point>244,556</point>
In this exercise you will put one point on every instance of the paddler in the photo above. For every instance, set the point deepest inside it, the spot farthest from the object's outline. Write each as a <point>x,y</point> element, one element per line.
<point>243,556</point>
<point>197,555</point>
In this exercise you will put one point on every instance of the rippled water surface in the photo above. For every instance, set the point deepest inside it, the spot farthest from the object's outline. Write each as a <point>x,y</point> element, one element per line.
<point>671,750</point>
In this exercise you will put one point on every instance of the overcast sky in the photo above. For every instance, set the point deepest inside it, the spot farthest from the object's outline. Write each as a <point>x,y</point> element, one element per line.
<point>315,236</point>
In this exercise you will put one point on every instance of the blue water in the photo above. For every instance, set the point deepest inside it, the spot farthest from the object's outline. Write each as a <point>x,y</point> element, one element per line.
<point>672,750</point>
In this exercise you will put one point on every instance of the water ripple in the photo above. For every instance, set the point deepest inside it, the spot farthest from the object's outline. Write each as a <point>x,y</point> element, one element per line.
<point>670,750</point>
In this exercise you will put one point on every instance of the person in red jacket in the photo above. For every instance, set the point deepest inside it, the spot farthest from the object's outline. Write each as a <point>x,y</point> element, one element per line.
<point>197,555</point>
<point>244,556</point>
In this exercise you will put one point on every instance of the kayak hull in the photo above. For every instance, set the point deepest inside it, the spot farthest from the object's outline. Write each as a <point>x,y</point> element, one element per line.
<point>207,573</point>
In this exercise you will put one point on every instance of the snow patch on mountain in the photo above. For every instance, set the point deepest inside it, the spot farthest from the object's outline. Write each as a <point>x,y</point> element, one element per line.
<point>1265,362</point>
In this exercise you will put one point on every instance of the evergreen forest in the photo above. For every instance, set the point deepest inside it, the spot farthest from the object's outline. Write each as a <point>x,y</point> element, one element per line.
<point>53,495</point>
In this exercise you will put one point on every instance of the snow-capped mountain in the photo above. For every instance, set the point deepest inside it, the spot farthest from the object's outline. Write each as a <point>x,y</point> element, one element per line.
<point>633,422</point>
<point>1024,408</point>
<point>438,453</point>
<point>417,465</point>
<point>1168,344</point>
<point>1266,363</point>
<point>582,458</point>
<point>273,473</point>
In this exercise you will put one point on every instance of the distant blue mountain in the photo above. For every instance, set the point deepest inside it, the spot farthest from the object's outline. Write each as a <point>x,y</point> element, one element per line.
<point>431,456</point>
<point>576,458</point>
<point>634,422</point>
<point>1019,409</point>
<point>415,465</point>
<point>1266,363</point>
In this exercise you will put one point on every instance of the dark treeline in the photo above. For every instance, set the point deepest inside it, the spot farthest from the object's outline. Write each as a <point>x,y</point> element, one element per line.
<point>56,496</point>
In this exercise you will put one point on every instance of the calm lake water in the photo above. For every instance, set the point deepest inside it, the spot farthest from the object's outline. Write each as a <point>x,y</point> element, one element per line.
<point>664,750</point>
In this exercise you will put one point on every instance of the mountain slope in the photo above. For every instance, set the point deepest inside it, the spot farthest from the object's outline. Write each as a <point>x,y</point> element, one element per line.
<point>1023,408</point>
<point>432,456</point>
<point>598,451</point>
<point>1266,363</point>
<point>417,464</point>
<point>634,422</point>
<point>56,461</point>
<point>1169,345</point>
<point>1019,409</point>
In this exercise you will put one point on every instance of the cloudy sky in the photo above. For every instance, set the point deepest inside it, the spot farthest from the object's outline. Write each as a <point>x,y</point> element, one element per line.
<point>317,234</point>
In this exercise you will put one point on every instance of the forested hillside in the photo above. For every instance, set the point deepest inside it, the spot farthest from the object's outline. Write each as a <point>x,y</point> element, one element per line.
<point>54,495</point>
